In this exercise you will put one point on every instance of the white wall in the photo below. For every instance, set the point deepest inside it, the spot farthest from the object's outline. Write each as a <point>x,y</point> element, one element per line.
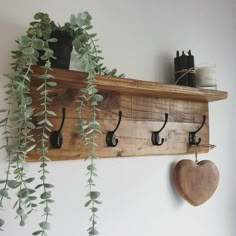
<point>140,38</point>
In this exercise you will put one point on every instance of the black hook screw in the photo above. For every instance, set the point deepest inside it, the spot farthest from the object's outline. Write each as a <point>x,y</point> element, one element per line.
<point>156,134</point>
<point>56,138</point>
<point>111,139</point>
<point>192,135</point>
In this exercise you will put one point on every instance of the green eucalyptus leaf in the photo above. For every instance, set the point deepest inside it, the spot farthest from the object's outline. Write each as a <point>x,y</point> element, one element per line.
<point>45,225</point>
<point>28,51</point>
<point>87,203</point>
<point>31,148</point>
<point>91,167</point>
<point>13,184</point>
<point>52,113</point>
<point>37,232</point>
<point>45,76</point>
<point>29,180</point>
<point>93,232</point>
<point>3,121</point>
<point>24,41</point>
<point>73,20</point>
<point>1,222</point>
<point>88,27</point>
<point>98,97</point>
<point>20,211</point>
<point>50,201</point>
<point>94,209</point>
<point>37,43</point>
<point>49,186</point>
<point>32,198</point>
<point>30,191</point>
<point>52,40</point>
<point>40,113</point>
<point>76,43</point>
<point>47,209</point>
<point>43,165</point>
<point>98,202</point>
<point>3,110</point>
<point>38,16</point>
<point>23,193</point>
<point>93,35</point>
<point>22,223</point>
<point>94,195</point>
<point>51,84</point>
<point>92,91</point>
<point>4,193</point>
<point>45,195</point>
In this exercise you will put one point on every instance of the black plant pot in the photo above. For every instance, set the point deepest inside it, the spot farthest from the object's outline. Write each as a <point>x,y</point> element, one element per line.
<point>62,50</point>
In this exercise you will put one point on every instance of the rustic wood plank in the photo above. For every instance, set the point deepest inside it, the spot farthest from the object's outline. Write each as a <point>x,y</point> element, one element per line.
<point>141,116</point>
<point>132,107</point>
<point>134,140</point>
<point>76,79</point>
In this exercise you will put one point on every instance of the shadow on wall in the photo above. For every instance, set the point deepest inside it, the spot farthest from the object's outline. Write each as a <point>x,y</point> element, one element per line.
<point>177,200</point>
<point>10,32</point>
<point>164,71</point>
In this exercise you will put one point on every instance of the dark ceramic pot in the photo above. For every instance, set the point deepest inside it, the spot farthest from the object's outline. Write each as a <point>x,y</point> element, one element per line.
<point>62,50</point>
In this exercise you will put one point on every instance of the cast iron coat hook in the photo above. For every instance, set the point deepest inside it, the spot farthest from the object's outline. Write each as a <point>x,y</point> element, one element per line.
<point>156,134</point>
<point>192,135</point>
<point>56,138</point>
<point>111,139</point>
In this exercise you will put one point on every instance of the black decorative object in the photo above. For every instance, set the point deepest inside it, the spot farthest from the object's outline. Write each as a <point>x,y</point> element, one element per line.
<point>56,138</point>
<point>62,50</point>
<point>184,69</point>
<point>192,135</point>
<point>156,134</point>
<point>111,139</point>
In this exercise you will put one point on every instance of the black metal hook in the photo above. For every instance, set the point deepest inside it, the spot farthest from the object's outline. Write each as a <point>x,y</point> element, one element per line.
<point>192,135</point>
<point>156,134</point>
<point>111,139</point>
<point>56,138</point>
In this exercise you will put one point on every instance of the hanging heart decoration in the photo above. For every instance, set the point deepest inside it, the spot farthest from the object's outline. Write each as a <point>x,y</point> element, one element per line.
<point>196,182</point>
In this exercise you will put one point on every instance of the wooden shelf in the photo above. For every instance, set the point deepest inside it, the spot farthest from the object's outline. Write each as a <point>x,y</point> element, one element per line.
<point>69,78</point>
<point>143,105</point>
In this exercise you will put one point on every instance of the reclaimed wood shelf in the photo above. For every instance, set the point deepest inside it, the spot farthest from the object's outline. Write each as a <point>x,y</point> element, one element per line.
<point>143,104</point>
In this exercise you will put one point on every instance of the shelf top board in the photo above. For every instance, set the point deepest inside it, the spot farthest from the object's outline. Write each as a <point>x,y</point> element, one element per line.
<point>73,79</point>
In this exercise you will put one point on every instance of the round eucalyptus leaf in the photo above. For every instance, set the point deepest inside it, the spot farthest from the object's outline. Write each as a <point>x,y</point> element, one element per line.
<point>22,223</point>
<point>28,51</point>
<point>24,41</point>
<point>4,193</point>
<point>45,225</point>
<point>94,195</point>
<point>37,43</point>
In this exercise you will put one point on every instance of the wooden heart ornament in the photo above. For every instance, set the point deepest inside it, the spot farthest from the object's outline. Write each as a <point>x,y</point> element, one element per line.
<point>196,182</point>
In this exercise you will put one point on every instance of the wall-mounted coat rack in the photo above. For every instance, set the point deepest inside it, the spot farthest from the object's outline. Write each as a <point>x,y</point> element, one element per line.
<point>147,118</point>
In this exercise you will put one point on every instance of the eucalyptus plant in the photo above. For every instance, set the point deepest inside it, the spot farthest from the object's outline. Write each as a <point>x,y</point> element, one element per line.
<point>18,125</point>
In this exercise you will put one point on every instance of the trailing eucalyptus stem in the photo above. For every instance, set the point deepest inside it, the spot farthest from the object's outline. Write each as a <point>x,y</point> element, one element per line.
<point>19,140</point>
<point>45,126</point>
<point>5,124</point>
<point>18,121</point>
<point>88,55</point>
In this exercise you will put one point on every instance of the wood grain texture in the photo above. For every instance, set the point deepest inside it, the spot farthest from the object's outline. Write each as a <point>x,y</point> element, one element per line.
<point>141,116</point>
<point>196,182</point>
<point>76,79</point>
<point>143,105</point>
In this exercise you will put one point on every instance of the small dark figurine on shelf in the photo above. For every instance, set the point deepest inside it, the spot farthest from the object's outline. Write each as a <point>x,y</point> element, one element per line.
<point>184,69</point>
